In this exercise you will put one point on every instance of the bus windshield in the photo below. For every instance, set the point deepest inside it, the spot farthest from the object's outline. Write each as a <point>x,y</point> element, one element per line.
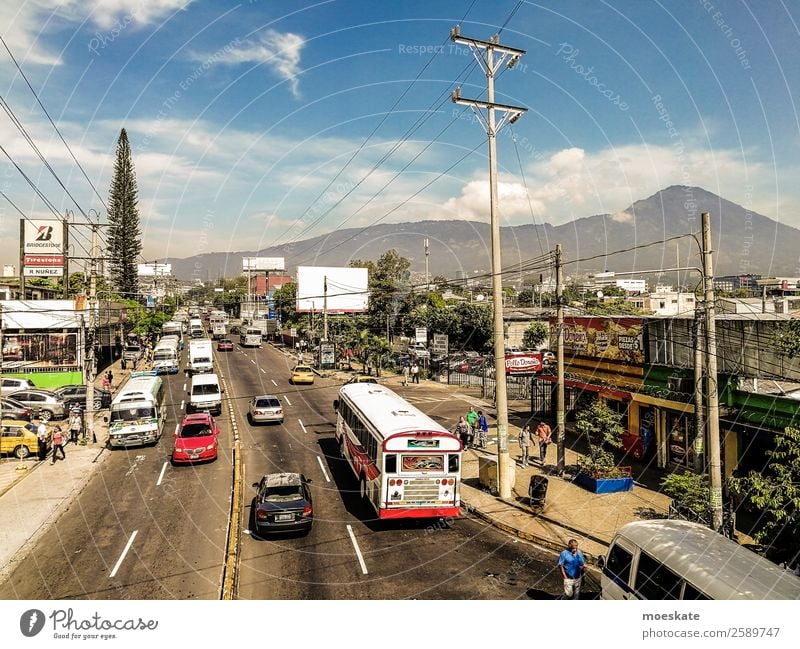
<point>133,414</point>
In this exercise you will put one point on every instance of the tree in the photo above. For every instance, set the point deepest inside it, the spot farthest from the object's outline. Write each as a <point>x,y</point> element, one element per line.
<point>601,427</point>
<point>125,236</point>
<point>286,304</point>
<point>690,493</point>
<point>536,333</point>
<point>775,494</point>
<point>787,339</point>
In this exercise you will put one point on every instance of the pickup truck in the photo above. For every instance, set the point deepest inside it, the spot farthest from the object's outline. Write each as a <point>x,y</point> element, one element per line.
<point>419,350</point>
<point>132,354</point>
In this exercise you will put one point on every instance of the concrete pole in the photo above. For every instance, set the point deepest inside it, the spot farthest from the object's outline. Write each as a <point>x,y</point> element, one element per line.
<point>712,394</point>
<point>89,339</point>
<point>561,415</point>
<point>699,413</point>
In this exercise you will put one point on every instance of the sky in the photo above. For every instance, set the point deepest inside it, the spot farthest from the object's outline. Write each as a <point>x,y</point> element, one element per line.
<point>257,122</point>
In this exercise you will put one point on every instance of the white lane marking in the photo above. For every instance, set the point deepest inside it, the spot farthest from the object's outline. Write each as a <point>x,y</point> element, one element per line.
<point>263,371</point>
<point>177,426</point>
<point>285,398</point>
<point>321,466</point>
<point>184,387</point>
<point>276,385</point>
<point>182,403</point>
<point>301,425</point>
<point>161,476</point>
<point>358,550</point>
<point>252,361</point>
<point>124,552</point>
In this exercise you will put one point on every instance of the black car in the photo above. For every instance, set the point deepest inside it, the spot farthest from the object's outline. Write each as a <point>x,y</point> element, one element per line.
<point>283,503</point>
<point>73,395</point>
<point>13,409</point>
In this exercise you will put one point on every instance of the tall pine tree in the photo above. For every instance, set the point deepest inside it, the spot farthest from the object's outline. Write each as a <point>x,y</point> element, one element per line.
<point>125,236</point>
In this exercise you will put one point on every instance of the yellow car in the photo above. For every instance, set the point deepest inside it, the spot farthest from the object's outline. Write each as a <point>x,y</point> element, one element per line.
<point>19,438</point>
<point>302,374</point>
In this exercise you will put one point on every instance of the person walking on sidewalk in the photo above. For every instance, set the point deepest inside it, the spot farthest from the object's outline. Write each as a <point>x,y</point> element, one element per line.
<point>415,372</point>
<point>525,443</point>
<point>44,438</point>
<point>472,419</point>
<point>405,375</point>
<point>464,432</point>
<point>75,425</point>
<point>483,429</point>
<point>572,565</point>
<point>58,444</point>
<point>105,383</point>
<point>110,376</point>
<point>545,437</point>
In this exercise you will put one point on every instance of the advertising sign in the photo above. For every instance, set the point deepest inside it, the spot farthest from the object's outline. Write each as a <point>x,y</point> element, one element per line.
<point>43,271</point>
<point>421,335</point>
<point>44,260</point>
<point>23,351</point>
<point>339,289</point>
<point>440,343</point>
<point>608,339</point>
<point>326,354</point>
<point>43,237</point>
<point>524,364</point>
<point>255,264</point>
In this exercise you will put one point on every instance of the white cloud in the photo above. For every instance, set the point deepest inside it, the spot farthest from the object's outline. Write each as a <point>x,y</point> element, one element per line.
<point>279,51</point>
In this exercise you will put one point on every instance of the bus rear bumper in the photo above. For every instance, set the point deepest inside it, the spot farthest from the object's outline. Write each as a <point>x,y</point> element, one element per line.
<point>420,512</point>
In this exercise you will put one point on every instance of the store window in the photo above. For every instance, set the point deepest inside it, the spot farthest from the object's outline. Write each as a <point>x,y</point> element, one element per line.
<point>680,439</point>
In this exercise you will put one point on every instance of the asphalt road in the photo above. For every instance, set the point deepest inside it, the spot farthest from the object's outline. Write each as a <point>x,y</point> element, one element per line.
<point>179,516</point>
<point>460,559</point>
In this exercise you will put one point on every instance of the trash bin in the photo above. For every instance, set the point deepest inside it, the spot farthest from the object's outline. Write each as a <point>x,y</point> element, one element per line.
<point>537,490</point>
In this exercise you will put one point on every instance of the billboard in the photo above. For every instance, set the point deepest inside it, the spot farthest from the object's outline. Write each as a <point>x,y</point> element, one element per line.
<point>346,289</point>
<point>607,339</point>
<point>43,237</point>
<point>518,364</point>
<point>153,270</point>
<point>253,264</point>
<point>24,351</point>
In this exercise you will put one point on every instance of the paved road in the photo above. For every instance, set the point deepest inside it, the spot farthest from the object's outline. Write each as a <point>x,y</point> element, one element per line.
<point>464,560</point>
<point>180,527</point>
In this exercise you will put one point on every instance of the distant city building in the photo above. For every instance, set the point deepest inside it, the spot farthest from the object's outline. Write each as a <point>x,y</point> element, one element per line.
<point>666,301</point>
<point>608,279</point>
<point>732,283</point>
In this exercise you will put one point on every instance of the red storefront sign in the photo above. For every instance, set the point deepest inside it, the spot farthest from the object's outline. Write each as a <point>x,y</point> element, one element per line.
<point>524,364</point>
<point>44,260</point>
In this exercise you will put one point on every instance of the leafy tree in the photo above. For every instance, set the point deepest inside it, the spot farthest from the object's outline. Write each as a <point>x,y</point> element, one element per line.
<point>286,304</point>
<point>787,338</point>
<point>690,493</point>
<point>124,237</point>
<point>536,333</point>
<point>775,494</point>
<point>601,428</point>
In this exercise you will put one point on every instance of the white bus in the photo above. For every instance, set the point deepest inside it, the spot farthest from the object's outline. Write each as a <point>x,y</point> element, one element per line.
<point>196,328</point>
<point>408,466</point>
<point>673,559</point>
<point>138,412</point>
<point>250,337</point>
<point>166,356</point>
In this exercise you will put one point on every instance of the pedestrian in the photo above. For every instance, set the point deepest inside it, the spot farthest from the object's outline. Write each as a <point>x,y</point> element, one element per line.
<point>464,432</point>
<point>472,419</point>
<point>106,384</point>
<point>405,375</point>
<point>75,425</point>
<point>483,429</point>
<point>110,376</point>
<point>524,440</point>
<point>545,438</point>
<point>299,358</point>
<point>415,372</point>
<point>58,444</point>
<point>572,565</point>
<point>123,364</point>
<point>44,438</point>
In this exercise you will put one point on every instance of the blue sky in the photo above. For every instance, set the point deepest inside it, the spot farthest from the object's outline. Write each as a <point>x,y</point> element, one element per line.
<point>241,113</point>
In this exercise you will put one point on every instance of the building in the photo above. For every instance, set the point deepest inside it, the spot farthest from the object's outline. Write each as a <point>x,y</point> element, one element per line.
<point>732,283</point>
<point>608,279</point>
<point>666,301</point>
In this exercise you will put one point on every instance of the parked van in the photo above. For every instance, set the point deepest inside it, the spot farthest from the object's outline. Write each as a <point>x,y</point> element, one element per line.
<point>200,356</point>
<point>138,412</point>
<point>672,559</point>
<point>205,394</point>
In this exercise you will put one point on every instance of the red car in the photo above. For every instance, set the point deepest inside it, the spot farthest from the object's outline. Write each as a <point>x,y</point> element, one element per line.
<point>224,345</point>
<point>196,439</point>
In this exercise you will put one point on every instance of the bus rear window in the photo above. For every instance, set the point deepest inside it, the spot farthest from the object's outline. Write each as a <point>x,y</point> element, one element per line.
<point>390,463</point>
<point>423,462</point>
<point>452,463</point>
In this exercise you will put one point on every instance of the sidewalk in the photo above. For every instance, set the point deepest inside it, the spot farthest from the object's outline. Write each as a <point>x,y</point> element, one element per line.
<point>33,497</point>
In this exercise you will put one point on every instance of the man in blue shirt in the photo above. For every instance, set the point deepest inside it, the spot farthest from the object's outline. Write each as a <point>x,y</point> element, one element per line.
<point>572,565</point>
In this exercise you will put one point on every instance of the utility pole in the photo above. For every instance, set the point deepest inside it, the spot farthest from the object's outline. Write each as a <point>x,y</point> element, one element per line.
<point>427,280</point>
<point>712,393</point>
<point>699,413</point>
<point>325,309</point>
<point>491,56</point>
<point>90,337</point>
<point>65,251</point>
<point>561,415</point>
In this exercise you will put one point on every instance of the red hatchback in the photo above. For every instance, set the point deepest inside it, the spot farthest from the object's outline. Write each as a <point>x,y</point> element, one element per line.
<point>196,439</point>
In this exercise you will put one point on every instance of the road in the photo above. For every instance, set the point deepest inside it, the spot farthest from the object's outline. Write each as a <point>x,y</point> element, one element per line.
<point>143,529</point>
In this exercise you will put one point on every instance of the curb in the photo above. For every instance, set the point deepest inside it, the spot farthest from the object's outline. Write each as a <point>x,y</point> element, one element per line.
<point>229,575</point>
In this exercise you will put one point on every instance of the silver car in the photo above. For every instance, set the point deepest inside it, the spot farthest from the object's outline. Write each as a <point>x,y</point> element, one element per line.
<point>44,405</point>
<point>265,408</point>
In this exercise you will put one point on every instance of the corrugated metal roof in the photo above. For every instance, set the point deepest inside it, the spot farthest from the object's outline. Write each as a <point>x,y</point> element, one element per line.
<point>40,314</point>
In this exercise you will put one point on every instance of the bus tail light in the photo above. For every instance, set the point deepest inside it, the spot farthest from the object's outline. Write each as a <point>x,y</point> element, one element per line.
<point>391,482</point>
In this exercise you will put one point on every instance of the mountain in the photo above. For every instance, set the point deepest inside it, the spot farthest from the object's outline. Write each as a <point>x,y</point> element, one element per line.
<point>744,242</point>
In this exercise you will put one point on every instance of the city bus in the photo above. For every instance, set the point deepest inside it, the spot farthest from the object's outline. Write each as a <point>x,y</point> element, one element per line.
<point>138,411</point>
<point>250,337</point>
<point>408,466</point>
<point>674,559</point>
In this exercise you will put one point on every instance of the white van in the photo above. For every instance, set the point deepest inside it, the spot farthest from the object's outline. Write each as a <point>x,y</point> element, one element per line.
<point>166,356</point>
<point>138,412</point>
<point>250,337</point>
<point>200,356</point>
<point>672,559</point>
<point>196,328</point>
<point>205,394</point>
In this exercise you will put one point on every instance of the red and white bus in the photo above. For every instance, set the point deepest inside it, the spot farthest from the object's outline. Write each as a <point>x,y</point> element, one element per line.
<point>408,466</point>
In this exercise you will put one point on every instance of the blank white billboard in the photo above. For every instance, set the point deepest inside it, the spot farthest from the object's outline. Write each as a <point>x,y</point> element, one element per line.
<point>255,264</point>
<point>346,289</point>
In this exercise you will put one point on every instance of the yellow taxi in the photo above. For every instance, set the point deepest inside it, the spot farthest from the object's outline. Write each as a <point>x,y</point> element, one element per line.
<point>19,438</point>
<point>302,374</point>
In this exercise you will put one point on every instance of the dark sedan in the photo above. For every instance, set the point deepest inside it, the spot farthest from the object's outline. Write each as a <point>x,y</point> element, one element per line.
<point>73,395</point>
<point>283,503</point>
<point>12,409</point>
